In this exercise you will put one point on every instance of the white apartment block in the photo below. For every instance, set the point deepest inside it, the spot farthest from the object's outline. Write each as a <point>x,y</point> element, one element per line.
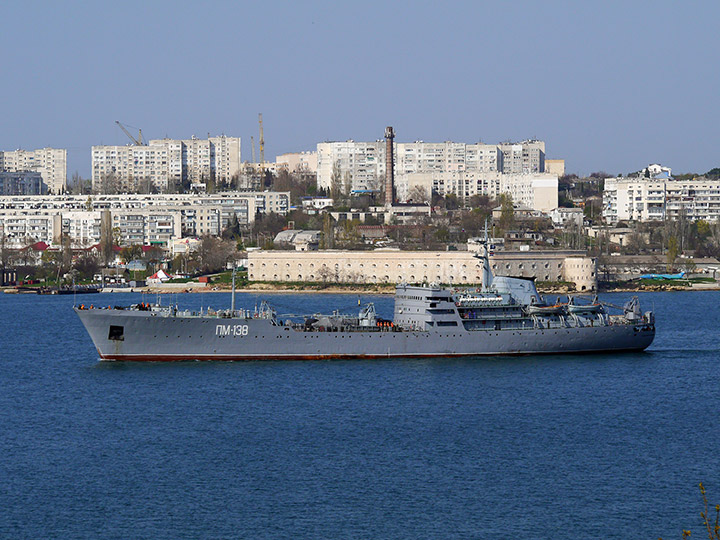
<point>659,198</point>
<point>304,162</point>
<point>448,167</point>
<point>538,191</point>
<point>135,219</point>
<point>51,163</point>
<point>362,162</point>
<point>165,163</point>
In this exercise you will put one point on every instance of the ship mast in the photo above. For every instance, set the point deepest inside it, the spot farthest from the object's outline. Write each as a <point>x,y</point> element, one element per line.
<point>485,258</point>
<point>232,297</point>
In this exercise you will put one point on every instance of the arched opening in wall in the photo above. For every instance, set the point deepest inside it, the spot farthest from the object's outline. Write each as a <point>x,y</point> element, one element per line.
<point>299,277</point>
<point>547,277</point>
<point>252,276</point>
<point>275,277</point>
<point>412,278</point>
<point>312,265</point>
<point>399,265</point>
<point>386,278</point>
<point>287,277</point>
<point>262,265</point>
<point>275,265</point>
<point>312,277</point>
<point>583,288</point>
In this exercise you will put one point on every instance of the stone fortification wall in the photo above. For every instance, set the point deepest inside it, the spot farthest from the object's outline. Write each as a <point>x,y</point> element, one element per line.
<point>456,267</point>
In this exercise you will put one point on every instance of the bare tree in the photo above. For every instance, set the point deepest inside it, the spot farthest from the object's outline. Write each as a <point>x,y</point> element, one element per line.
<point>418,195</point>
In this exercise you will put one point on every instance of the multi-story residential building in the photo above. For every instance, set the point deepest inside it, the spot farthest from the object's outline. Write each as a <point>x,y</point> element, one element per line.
<point>305,162</point>
<point>165,163</point>
<point>361,164</point>
<point>448,167</point>
<point>22,183</point>
<point>523,158</point>
<point>660,197</point>
<point>51,163</point>
<point>146,219</point>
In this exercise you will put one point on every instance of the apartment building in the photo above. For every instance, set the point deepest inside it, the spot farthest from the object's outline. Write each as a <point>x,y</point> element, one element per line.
<point>51,163</point>
<point>458,168</point>
<point>165,164</point>
<point>22,183</point>
<point>305,162</point>
<point>135,219</point>
<point>660,197</point>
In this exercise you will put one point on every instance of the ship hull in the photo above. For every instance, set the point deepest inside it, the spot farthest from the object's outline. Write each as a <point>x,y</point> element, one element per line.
<point>143,336</point>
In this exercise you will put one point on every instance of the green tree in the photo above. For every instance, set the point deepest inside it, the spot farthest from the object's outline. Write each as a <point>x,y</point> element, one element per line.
<point>672,252</point>
<point>507,212</point>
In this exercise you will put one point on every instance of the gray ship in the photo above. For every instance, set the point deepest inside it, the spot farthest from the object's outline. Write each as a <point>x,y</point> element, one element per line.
<point>506,316</point>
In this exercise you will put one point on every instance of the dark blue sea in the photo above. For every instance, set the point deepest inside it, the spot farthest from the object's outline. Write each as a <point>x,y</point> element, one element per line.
<point>562,447</point>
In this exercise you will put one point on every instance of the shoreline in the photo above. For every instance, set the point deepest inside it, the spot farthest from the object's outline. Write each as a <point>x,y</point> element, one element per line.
<point>372,290</point>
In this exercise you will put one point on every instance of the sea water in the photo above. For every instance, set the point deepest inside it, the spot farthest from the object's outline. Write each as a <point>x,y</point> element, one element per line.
<point>592,446</point>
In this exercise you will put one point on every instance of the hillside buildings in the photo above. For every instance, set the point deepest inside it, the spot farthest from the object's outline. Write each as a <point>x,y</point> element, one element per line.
<point>446,168</point>
<point>660,197</point>
<point>165,164</point>
<point>51,163</point>
<point>131,219</point>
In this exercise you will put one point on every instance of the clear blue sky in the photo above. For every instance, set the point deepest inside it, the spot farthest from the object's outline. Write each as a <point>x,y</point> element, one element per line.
<point>608,85</point>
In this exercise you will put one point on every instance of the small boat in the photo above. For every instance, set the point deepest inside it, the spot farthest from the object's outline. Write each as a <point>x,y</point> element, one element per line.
<point>540,309</point>
<point>594,307</point>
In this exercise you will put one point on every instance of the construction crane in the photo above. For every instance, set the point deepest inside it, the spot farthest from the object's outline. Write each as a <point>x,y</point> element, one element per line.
<point>138,141</point>
<point>262,141</point>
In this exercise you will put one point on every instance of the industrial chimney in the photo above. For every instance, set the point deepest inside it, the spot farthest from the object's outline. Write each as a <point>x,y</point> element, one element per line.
<point>389,167</point>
